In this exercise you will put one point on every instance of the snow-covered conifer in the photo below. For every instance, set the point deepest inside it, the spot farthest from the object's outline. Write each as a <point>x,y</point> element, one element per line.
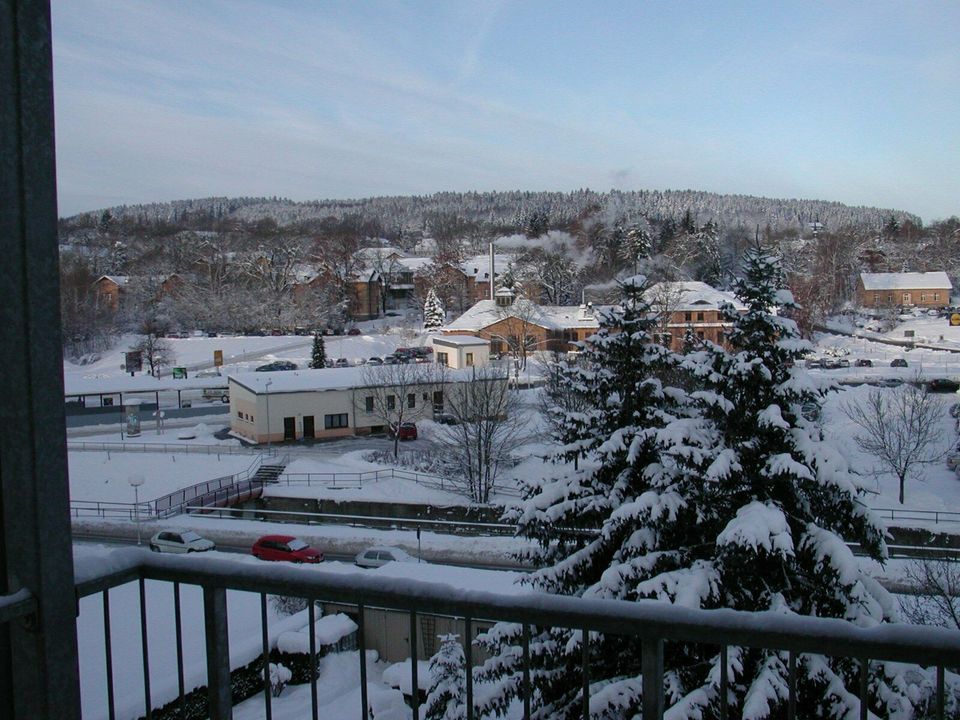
<point>447,697</point>
<point>725,497</point>
<point>318,359</point>
<point>433,313</point>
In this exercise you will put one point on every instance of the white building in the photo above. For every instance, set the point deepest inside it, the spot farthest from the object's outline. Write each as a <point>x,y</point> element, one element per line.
<point>461,351</point>
<point>335,402</point>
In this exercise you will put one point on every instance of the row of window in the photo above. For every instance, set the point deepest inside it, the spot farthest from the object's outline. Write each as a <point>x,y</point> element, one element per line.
<point>905,298</point>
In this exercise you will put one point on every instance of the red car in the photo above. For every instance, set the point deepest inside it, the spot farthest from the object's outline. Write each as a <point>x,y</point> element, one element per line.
<point>408,431</point>
<point>285,547</point>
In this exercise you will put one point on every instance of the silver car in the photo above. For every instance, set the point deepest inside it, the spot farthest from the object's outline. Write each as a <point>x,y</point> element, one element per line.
<point>379,556</point>
<point>180,541</point>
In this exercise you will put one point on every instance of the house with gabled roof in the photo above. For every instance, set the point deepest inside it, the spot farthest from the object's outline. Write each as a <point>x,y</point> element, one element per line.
<point>908,289</point>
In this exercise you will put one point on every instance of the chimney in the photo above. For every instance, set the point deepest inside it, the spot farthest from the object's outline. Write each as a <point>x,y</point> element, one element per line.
<point>491,273</point>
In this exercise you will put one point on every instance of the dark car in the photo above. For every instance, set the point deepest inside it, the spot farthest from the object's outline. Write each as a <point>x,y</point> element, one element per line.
<point>864,362</point>
<point>407,431</point>
<point>445,419</point>
<point>354,331</point>
<point>422,350</point>
<point>898,362</point>
<point>277,365</point>
<point>341,363</point>
<point>285,548</point>
<point>943,385</point>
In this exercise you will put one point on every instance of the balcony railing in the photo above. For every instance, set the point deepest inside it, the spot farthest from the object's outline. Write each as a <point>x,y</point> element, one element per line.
<point>653,623</point>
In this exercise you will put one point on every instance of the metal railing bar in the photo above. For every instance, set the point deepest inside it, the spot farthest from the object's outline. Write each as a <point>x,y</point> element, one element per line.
<point>651,667</point>
<point>941,696</point>
<point>723,682</point>
<point>468,663</point>
<point>414,680</point>
<point>178,629</point>
<point>108,654</point>
<point>220,705</point>
<point>792,686</point>
<point>362,646</point>
<point>311,623</point>
<point>585,674</point>
<point>927,646</point>
<point>527,688</point>
<point>265,648</point>
<point>16,605</point>
<point>145,648</point>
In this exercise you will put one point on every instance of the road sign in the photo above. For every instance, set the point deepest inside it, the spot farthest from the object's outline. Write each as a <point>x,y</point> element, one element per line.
<point>955,319</point>
<point>179,373</point>
<point>218,358</point>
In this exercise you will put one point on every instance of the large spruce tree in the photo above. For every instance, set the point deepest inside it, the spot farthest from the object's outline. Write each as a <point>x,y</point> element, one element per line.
<point>720,497</point>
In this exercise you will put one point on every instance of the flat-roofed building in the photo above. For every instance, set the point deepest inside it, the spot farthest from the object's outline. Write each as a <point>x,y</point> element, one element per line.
<point>461,351</point>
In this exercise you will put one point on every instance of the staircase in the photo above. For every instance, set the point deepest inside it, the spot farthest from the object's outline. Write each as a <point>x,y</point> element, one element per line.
<point>267,474</point>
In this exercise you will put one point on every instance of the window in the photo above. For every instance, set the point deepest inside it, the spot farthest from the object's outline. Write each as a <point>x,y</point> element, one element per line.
<point>923,297</point>
<point>443,358</point>
<point>412,400</point>
<point>876,298</point>
<point>368,403</point>
<point>469,359</point>
<point>699,317</point>
<point>700,334</point>
<point>332,422</point>
<point>936,297</point>
<point>391,402</point>
<point>687,316</point>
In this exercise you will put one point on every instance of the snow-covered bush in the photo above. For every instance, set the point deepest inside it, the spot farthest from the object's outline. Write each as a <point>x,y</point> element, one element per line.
<point>279,677</point>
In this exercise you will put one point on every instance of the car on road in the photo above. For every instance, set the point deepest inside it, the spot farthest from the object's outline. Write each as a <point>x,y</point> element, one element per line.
<point>814,362</point>
<point>221,394</point>
<point>341,362</point>
<point>379,556</point>
<point>407,431</point>
<point>943,385</point>
<point>285,548</point>
<point>898,362</point>
<point>445,419</point>
<point>180,541</point>
<point>374,361</point>
<point>277,365</point>
<point>864,362</point>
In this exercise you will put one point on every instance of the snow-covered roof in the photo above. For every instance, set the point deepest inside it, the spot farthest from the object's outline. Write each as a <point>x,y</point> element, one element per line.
<point>117,279</point>
<point>550,317</point>
<point>308,380</point>
<point>413,263</point>
<point>459,341</point>
<point>691,296</point>
<point>373,253</point>
<point>906,281</point>
<point>479,266</point>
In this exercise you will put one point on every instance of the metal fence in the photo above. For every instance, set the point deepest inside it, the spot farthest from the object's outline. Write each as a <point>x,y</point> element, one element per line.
<point>357,479</point>
<point>167,448</point>
<point>934,516</point>
<point>654,624</point>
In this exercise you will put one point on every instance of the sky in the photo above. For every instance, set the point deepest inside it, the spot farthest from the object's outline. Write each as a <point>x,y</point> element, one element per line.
<point>855,102</point>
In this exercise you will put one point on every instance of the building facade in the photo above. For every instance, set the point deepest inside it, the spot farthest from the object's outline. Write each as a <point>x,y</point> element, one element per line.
<point>886,290</point>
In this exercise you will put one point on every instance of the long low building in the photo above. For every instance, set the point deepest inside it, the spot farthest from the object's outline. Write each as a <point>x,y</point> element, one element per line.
<point>337,402</point>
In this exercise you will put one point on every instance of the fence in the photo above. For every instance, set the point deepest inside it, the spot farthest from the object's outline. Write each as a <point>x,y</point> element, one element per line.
<point>654,624</point>
<point>934,516</point>
<point>217,492</point>
<point>168,448</point>
<point>356,480</point>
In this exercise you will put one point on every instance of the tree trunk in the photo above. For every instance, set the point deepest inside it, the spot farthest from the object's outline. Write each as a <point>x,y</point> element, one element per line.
<point>902,480</point>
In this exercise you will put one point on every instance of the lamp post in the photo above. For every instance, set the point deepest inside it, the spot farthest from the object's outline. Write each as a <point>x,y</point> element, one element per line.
<point>135,482</point>
<point>267,386</point>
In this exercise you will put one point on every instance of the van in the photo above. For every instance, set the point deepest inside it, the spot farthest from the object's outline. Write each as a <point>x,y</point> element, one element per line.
<point>221,394</point>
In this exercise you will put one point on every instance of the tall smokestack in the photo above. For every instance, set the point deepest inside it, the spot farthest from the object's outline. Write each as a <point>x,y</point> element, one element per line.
<point>492,291</point>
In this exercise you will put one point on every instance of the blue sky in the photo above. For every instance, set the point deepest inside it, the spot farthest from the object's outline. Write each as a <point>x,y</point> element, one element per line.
<point>853,102</point>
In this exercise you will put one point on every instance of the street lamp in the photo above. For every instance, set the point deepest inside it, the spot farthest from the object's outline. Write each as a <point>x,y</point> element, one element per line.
<point>267,386</point>
<point>135,482</point>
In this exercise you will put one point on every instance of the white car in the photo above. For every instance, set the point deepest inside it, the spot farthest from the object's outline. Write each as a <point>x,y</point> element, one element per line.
<point>180,541</point>
<point>379,556</point>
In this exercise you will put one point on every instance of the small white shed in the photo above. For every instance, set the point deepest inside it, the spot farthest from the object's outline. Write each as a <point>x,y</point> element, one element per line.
<point>461,351</point>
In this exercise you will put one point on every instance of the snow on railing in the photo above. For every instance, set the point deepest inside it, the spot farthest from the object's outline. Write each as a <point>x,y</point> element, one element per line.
<point>167,448</point>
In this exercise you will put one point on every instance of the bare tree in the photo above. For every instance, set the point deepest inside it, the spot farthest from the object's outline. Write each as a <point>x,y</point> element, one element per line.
<point>936,583</point>
<point>396,394</point>
<point>523,323</point>
<point>486,426</point>
<point>899,427</point>
<point>157,352</point>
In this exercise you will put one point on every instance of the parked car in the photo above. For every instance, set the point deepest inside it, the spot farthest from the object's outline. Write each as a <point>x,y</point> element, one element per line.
<point>221,394</point>
<point>341,362</point>
<point>898,362</point>
<point>943,385</point>
<point>354,331</point>
<point>864,362</point>
<point>277,365</point>
<point>812,362</point>
<point>379,556</point>
<point>390,360</point>
<point>422,350</point>
<point>180,541</point>
<point>374,361</point>
<point>207,373</point>
<point>285,548</point>
<point>407,431</point>
<point>421,359</point>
